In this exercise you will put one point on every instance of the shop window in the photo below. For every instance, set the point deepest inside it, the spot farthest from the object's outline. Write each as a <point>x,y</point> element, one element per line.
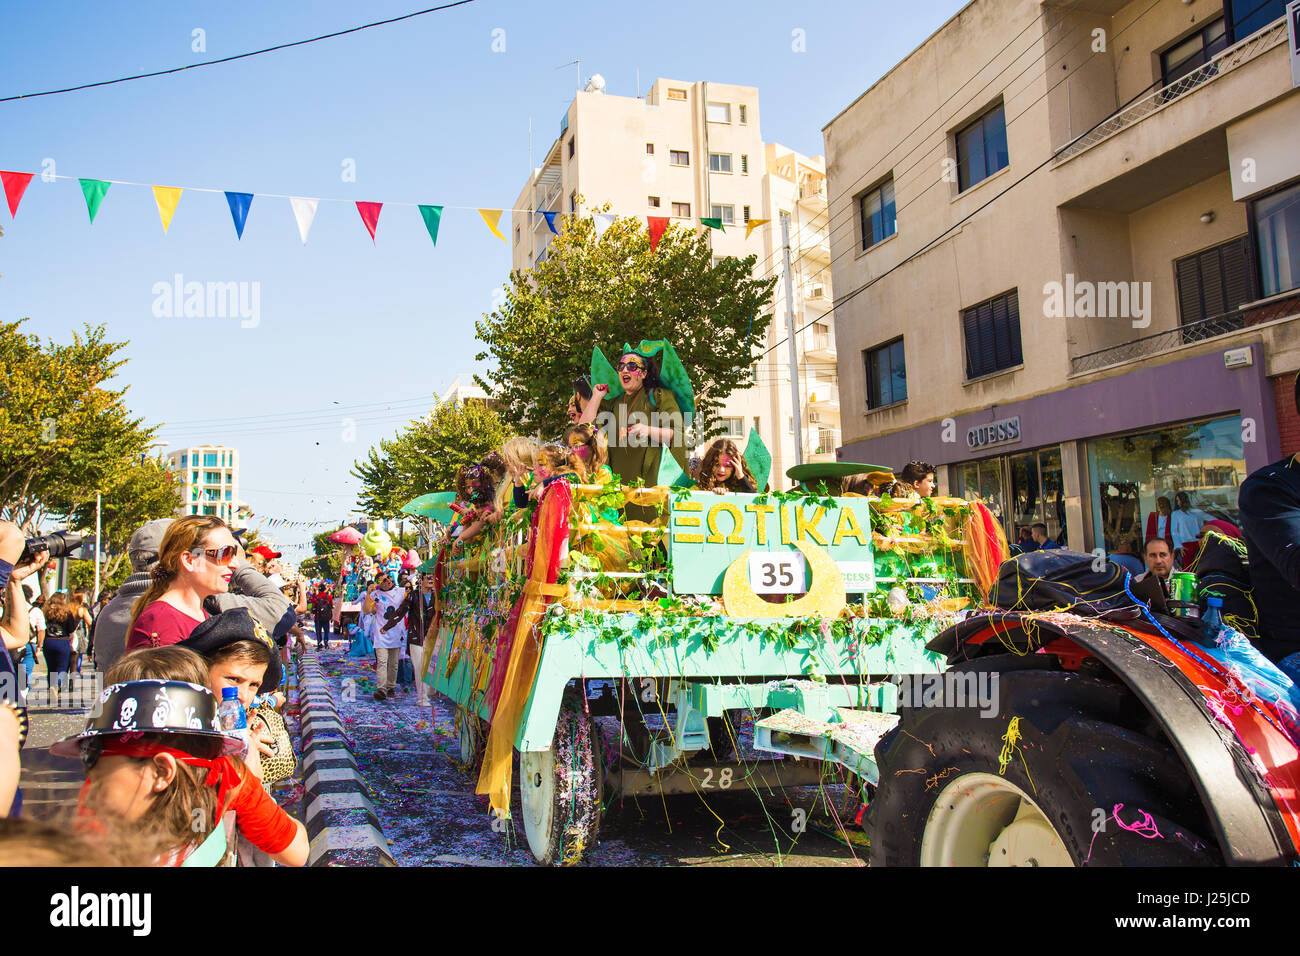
<point>1277,236</point>
<point>1130,473</point>
<point>992,332</point>
<point>886,375</point>
<point>1214,282</point>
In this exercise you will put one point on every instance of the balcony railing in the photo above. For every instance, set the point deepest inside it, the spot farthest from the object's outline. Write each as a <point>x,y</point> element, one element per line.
<point>1231,58</point>
<point>1160,342</point>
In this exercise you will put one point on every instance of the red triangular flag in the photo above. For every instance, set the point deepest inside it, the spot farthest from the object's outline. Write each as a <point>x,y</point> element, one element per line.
<point>15,186</point>
<point>656,225</point>
<point>370,215</point>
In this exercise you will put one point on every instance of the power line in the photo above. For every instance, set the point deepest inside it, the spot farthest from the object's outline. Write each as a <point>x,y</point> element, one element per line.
<point>237,56</point>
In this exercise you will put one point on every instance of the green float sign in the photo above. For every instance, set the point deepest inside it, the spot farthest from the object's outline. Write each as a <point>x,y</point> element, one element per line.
<point>707,532</point>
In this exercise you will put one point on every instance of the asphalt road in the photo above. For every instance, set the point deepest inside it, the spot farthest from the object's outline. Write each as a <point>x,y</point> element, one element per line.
<point>431,815</point>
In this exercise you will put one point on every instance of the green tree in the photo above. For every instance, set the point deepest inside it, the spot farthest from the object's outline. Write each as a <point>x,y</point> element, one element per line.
<point>64,435</point>
<point>145,490</point>
<point>605,293</point>
<point>424,456</point>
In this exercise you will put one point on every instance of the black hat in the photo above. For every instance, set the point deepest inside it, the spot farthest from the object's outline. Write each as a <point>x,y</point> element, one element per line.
<point>154,706</point>
<point>228,627</point>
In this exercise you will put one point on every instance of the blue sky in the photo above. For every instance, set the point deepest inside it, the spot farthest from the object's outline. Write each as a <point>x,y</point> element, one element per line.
<point>426,112</point>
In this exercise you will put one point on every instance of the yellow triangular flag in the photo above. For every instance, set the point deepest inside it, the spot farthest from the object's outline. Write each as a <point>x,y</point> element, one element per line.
<point>754,224</point>
<point>492,217</point>
<point>167,198</point>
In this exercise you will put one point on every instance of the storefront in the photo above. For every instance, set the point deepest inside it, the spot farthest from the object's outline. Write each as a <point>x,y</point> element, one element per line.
<point>1092,461</point>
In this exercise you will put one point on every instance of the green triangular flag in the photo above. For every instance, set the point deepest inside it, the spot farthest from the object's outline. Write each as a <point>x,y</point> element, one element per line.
<point>94,190</point>
<point>670,472</point>
<point>758,459</point>
<point>432,217</point>
<point>602,373</point>
<point>713,224</point>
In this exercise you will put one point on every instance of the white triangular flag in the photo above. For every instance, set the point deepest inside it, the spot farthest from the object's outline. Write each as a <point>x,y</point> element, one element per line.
<point>304,210</point>
<point>602,221</point>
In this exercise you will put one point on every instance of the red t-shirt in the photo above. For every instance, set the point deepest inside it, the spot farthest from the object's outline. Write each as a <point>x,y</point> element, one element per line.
<point>160,625</point>
<point>261,819</point>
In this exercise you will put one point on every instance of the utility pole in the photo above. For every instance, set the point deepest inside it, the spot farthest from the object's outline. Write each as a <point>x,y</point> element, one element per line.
<point>794,346</point>
<point>94,595</point>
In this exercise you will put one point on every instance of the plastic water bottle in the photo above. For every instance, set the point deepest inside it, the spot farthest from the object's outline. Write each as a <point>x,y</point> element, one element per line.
<point>234,721</point>
<point>1213,618</point>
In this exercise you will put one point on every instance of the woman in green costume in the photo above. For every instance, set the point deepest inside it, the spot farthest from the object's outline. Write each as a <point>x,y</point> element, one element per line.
<point>644,419</point>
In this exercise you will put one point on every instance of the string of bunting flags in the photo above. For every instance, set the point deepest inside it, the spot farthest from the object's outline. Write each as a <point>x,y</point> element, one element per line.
<point>167,199</point>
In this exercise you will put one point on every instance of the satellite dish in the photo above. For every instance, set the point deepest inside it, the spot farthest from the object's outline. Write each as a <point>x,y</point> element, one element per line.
<point>596,84</point>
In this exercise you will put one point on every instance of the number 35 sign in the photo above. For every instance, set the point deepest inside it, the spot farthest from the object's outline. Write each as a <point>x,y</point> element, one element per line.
<point>777,572</point>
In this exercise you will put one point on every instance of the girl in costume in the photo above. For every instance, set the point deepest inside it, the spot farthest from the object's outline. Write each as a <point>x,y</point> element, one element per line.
<point>157,765</point>
<point>723,470</point>
<point>589,444</point>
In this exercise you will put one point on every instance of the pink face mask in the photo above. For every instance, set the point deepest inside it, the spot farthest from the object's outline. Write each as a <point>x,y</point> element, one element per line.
<point>582,451</point>
<point>725,461</point>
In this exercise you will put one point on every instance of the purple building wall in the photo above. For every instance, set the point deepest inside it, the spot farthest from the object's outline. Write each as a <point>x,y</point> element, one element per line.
<point>1150,396</point>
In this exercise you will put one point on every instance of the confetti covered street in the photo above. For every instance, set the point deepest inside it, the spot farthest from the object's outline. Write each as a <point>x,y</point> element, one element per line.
<point>431,815</point>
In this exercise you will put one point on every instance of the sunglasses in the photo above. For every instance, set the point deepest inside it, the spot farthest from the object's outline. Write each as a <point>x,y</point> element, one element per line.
<point>630,367</point>
<point>219,556</point>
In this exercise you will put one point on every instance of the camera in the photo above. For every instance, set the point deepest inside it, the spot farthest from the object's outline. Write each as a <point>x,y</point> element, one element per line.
<point>58,543</point>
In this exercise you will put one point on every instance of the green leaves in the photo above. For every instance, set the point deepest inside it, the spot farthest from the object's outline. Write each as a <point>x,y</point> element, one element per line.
<point>617,290</point>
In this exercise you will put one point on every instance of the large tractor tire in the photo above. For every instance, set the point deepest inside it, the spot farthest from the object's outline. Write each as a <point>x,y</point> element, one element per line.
<point>1082,778</point>
<point>561,790</point>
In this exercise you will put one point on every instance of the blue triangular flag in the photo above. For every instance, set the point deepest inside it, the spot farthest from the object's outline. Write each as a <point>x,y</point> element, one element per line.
<point>239,203</point>
<point>550,220</point>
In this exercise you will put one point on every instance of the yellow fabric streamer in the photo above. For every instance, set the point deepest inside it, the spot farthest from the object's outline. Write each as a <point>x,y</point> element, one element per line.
<point>495,777</point>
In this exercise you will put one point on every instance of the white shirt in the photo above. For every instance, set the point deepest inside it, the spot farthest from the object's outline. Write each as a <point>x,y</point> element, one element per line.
<point>37,618</point>
<point>1183,526</point>
<point>396,635</point>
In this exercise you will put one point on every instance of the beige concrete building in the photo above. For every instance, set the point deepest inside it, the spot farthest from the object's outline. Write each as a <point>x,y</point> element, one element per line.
<point>1078,261</point>
<point>210,476</point>
<point>694,150</point>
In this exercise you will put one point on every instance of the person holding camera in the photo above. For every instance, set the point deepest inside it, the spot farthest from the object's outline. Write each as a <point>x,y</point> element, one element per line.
<point>16,564</point>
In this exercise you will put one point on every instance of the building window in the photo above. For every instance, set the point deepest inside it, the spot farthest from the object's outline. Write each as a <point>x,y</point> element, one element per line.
<point>573,203</point>
<point>746,214</point>
<point>649,149</point>
<point>210,459</point>
<point>1277,232</point>
<point>879,217</point>
<point>682,210</point>
<point>679,157</point>
<point>726,213</point>
<point>227,494</point>
<point>753,380</point>
<point>982,148</point>
<point>719,162</point>
<point>209,509</point>
<point>185,461</point>
<point>1214,281</point>
<point>516,235</point>
<point>744,164</point>
<point>743,117</point>
<point>886,375</point>
<point>196,477</point>
<point>992,332</point>
<point>757,420</point>
<point>731,427</point>
<point>212,477</point>
<point>572,143</point>
<point>718,112</point>
<point>1249,16</point>
<point>1193,53</point>
<point>653,201</point>
<point>676,94</point>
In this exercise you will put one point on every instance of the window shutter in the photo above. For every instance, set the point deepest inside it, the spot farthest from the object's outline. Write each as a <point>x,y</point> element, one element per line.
<point>1237,275</point>
<point>1211,269</point>
<point>1190,308</point>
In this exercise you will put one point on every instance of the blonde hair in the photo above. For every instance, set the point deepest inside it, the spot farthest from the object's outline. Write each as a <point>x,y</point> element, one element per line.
<point>183,534</point>
<point>560,459</point>
<point>518,452</point>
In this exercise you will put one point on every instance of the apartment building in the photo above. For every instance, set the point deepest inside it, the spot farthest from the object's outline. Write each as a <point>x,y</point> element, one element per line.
<point>211,480</point>
<point>1073,230</point>
<point>694,150</point>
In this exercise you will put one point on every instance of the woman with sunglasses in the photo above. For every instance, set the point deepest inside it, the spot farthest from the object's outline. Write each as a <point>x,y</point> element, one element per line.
<point>195,561</point>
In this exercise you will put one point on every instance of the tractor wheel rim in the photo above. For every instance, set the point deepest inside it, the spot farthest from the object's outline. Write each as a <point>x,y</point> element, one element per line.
<point>980,819</point>
<point>537,798</point>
